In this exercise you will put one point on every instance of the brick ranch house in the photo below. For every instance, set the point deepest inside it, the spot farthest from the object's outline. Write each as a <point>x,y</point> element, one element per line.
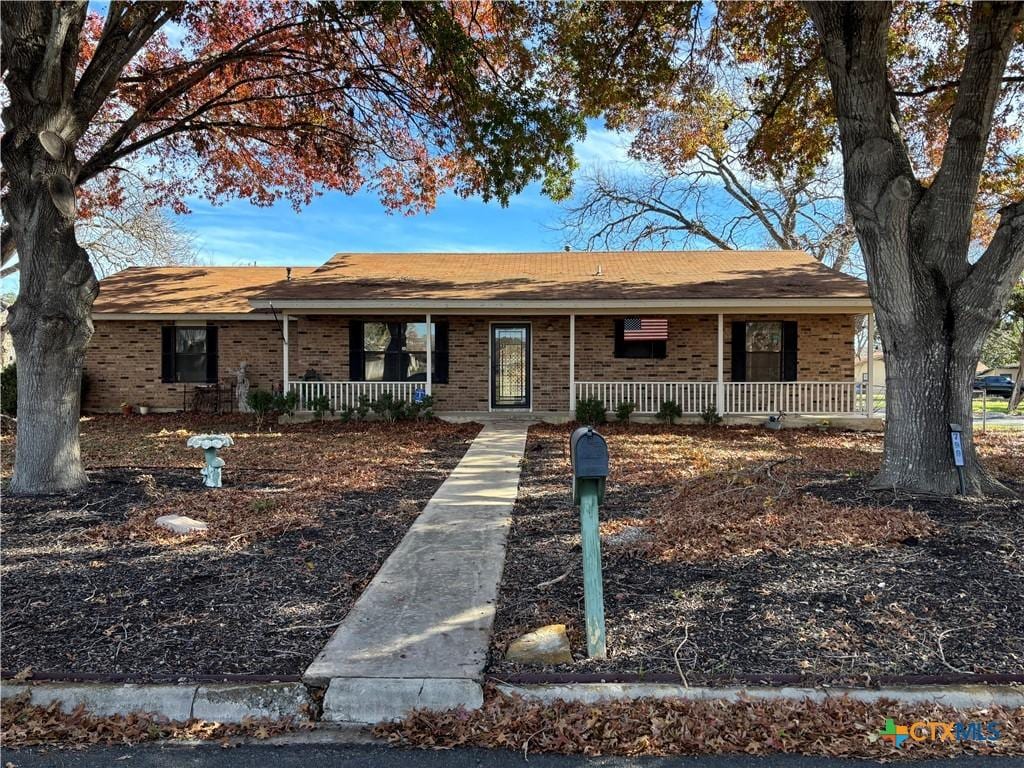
<point>752,332</point>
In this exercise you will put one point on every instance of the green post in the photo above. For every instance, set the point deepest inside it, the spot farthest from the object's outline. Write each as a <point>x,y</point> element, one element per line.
<point>593,590</point>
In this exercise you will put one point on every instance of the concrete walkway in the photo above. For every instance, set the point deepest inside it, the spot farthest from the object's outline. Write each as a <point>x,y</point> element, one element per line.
<point>418,635</point>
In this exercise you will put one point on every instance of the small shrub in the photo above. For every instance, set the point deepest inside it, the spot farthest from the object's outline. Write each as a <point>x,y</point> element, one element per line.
<point>320,405</point>
<point>261,402</point>
<point>710,415</point>
<point>265,403</point>
<point>9,390</point>
<point>423,409</point>
<point>669,411</point>
<point>362,408</point>
<point>390,408</point>
<point>590,411</point>
<point>624,410</point>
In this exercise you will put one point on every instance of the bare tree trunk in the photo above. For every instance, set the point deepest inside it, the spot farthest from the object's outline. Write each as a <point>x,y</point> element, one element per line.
<point>50,334</point>
<point>928,387</point>
<point>50,321</point>
<point>1018,380</point>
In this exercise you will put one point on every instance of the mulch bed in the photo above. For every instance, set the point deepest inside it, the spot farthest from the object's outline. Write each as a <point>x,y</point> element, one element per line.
<point>738,553</point>
<point>307,515</point>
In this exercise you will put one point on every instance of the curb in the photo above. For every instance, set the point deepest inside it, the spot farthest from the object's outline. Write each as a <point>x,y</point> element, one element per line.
<point>957,696</point>
<point>222,703</point>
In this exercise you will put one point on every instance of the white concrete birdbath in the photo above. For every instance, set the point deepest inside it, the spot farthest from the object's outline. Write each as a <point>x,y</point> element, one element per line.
<point>214,464</point>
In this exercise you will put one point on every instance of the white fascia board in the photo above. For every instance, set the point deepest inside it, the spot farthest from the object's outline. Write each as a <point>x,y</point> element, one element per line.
<point>556,307</point>
<point>182,316</point>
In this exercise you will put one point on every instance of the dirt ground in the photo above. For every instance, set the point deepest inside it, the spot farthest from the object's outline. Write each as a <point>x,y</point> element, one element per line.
<point>739,552</point>
<point>306,516</point>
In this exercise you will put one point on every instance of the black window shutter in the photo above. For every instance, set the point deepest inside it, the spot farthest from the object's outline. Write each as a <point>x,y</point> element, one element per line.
<point>167,354</point>
<point>739,350</point>
<point>620,327</point>
<point>356,369</point>
<point>440,360</point>
<point>659,349</point>
<point>211,353</point>
<point>789,366</point>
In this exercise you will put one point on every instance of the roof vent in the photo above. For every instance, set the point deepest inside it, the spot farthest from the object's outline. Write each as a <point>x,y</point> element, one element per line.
<point>567,248</point>
<point>287,273</point>
<point>599,272</point>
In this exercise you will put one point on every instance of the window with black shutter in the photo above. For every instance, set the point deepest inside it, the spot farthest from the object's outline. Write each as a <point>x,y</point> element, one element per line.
<point>764,350</point>
<point>657,349</point>
<point>188,354</point>
<point>391,351</point>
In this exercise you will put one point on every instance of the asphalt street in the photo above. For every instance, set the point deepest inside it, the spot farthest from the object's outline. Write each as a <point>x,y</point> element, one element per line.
<point>363,756</point>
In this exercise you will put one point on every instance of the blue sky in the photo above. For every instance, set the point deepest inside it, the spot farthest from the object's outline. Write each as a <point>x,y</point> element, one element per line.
<point>240,233</point>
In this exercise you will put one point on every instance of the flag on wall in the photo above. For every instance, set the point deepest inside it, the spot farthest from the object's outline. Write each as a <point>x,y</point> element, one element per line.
<point>645,329</point>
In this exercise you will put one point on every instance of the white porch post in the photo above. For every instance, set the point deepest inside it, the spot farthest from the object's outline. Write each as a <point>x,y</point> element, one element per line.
<point>284,348</point>
<point>430,357</point>
<point>572,363</point>
<point>869,401</point>
<point>720,387</point>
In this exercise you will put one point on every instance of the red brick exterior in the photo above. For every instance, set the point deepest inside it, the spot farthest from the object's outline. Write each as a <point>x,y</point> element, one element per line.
<point>123,359</point>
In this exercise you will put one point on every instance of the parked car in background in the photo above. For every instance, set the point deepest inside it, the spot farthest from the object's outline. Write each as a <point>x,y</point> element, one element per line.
<point>995,385</point>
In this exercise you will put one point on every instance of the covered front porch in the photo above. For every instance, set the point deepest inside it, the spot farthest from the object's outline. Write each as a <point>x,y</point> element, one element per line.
<point>545,364</point>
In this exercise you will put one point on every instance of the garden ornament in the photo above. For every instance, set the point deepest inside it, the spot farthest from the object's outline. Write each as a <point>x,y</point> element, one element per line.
<point>214,464</point>
<point>242,388</point>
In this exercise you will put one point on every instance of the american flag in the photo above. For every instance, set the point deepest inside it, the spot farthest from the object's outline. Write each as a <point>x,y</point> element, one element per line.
<point>645,329</point>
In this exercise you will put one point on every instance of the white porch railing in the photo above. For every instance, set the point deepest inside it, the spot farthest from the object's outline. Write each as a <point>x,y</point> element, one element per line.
<point>796,397</point>
<point>742,398</point>
<point>344,394</point>
<point>692,396</point>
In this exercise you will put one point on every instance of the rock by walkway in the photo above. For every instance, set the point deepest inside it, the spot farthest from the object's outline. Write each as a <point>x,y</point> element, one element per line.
<point>418,635</point>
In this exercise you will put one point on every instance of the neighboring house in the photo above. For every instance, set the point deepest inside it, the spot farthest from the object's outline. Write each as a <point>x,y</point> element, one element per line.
<point>1001,370</point>
<point>878,369</point>
<point>860,368</point>
<point>749,332</point>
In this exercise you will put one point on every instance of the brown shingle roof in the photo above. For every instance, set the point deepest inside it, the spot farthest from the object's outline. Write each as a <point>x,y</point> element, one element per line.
<point>187,290</point>
<point>576,275</point>
<point>555,276</point>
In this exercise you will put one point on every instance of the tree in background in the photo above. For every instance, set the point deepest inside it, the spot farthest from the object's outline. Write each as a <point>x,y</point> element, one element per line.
<point>922,102</point>
<point>696,184</point>
<point>264,101</point>
<point>1005,345</point>
<point>128,232</point>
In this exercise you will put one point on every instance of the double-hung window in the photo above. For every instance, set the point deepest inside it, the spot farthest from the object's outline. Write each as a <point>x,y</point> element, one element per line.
<point>390,351</point>
<point>189,353</point>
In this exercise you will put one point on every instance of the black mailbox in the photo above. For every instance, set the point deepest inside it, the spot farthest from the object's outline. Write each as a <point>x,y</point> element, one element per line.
<point>588,453</point>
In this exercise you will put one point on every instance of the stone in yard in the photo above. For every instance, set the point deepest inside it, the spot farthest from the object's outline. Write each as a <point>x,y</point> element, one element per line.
<point>547,645</point>
<point>626,537</point>
<point>181,524</point>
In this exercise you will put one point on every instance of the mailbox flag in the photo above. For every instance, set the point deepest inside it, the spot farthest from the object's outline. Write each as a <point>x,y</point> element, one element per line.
<point>645,329</point>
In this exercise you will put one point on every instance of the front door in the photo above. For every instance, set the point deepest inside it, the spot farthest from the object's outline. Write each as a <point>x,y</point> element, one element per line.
<point>510,365</point>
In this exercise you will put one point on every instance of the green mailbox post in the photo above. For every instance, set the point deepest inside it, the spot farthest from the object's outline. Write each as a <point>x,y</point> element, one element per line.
<point>588,452</point>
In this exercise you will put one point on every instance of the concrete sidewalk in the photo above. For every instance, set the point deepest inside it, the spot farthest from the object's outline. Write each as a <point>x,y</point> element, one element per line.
<point>418,635</point>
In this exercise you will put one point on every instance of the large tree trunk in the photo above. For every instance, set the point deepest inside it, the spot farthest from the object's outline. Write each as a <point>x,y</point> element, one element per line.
<point>51,329</point>
<point>934,307</point>
<point>50,321</point>
<point>929,373</point>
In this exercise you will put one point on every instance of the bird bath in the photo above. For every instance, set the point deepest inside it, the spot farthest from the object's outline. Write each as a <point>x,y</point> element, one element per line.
<point>214,463</point>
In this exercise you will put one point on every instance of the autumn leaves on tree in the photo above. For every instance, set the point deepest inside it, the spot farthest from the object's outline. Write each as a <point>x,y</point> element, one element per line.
<point>265,101</point>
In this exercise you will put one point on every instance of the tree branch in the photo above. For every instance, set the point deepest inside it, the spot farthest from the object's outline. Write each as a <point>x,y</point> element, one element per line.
<point>953,193</point>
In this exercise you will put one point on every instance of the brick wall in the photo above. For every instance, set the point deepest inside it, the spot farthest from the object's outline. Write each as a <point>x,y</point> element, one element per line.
<point>123,359</point>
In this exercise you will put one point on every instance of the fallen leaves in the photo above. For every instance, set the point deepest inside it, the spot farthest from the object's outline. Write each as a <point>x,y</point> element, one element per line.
<point>836,727</point>
<point>28,725</point>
